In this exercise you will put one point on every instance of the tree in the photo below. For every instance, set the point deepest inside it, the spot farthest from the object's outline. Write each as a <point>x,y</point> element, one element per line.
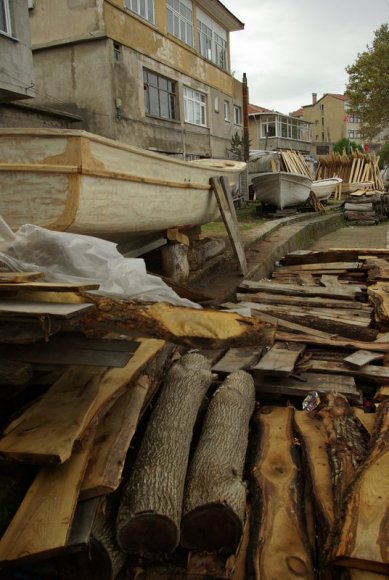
<point>384,155</point>
<point>346,145</point>
<point>368,85</point>
<point>238,145</point>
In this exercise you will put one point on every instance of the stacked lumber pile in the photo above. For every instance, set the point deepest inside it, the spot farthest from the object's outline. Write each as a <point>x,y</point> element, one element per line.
<point>358,170</point>
<point>294,162</point>
<point>367,206</point>
<point>225,475</point>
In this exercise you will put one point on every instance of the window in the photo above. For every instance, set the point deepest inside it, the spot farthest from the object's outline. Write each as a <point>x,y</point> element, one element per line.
<point>237,115</point>
<point>180,19</point>
<point>350,134</point>
<point>195,107</point>
<point>212,40</point>
<point>354,119</point>
<point>144,8</point>
<point>268,126</point>
<point>5,17</point>
<point>292,128</point>
<point>227,111</point>
<point>160,95</point>
<point>321,107</point>
<point>216,104</point>
<point>117,52</point>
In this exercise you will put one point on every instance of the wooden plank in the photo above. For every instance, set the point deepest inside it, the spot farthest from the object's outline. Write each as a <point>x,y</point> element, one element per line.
<point>46,432</point>
<point>280,360</point>
<point>45,286</point>
<point>362,357</point>
<point>236,359</point>
<point>334,341</point>
<point>221,189</point>
<point>340,293</point>
<point>367,419</point>
<point>282,299</point>
<point>372,373</point>
<point>304,383</point>
<point>74,350</point>
<point>42,523</point>
<point>29,308</point>
<point>18,277</point>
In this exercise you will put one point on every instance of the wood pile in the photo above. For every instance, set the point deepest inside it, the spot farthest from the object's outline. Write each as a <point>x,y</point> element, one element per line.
<point>367,207</point>
<point>294,162</point>
<point>357,168</point>
<point>216,445</point>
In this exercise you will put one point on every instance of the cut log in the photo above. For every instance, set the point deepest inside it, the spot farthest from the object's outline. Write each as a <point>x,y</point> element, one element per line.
<point>175,261</point>
<point>279,546</point>
<point>191,327</point>
<point>362,541</point>
<point>215,496</point>
<point>347,443</point>
<point>149,515</point>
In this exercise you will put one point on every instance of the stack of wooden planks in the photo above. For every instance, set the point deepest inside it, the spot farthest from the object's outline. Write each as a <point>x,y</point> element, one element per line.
<point>356,168</point>
<point>294,162</point>
<point>101,484</point>
<point>367,206</point>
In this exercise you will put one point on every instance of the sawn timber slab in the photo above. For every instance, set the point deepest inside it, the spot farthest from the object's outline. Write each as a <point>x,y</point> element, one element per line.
<point>46,432</point>
<point>280,360</point>
<point>41,526</point>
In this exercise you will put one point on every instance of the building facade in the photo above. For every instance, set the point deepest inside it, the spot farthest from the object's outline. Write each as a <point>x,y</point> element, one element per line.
<point>151,73</point>
<point>16,70</point>
<point>274,131</point>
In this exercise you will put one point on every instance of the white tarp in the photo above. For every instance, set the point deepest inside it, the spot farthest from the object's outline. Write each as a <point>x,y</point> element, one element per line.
<point>74,258</point>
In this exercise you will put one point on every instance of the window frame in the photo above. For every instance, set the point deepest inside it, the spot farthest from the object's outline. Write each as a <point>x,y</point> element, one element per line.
<point>195,106</point>
<point>238,117</point>
<point>135,6</point>
<point>212,40</point>
<point>7,18</point>
<point>227,111</point>
<point>177,17</point>
<point>165,98</point>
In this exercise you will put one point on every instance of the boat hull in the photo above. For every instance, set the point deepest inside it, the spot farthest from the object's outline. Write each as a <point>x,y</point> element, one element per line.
<point>83,183</point>
<point>282,189</point>
<point>324,188</point>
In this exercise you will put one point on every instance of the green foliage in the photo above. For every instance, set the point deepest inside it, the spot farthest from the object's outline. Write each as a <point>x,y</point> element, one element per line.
<point>384,155</point>
<point>346,145</point>
<point>239,146</point>
<point>368,85</point>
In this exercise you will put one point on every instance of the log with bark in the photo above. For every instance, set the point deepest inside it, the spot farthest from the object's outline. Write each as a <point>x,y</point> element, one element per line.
<point>149,515</point>
<point>363,538</point>
<point>188,326</point>
<point>347,443</point>
<point>215,495</point>
<point>279,545</point>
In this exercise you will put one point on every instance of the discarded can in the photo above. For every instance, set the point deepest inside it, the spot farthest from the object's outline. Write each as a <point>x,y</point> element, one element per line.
<point>311,401</point>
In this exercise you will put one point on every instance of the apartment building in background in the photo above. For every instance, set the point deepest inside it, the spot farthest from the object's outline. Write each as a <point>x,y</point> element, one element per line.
<point>151,73</point>
<point>274,131</point>
<point>16,70</point>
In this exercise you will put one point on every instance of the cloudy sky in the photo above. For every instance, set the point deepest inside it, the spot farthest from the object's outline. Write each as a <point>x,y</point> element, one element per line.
<point>290,49</point>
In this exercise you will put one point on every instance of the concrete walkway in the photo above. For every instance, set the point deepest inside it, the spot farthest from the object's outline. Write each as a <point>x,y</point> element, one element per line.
<point>355,237</point>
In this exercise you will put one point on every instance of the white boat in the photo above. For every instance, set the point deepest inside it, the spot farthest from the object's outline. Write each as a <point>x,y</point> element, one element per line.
<point>71,180</point>
<point>324,188</point>
<point>282,189</point>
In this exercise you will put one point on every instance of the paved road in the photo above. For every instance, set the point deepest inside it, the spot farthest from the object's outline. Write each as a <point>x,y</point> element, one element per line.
<point>355,237</point>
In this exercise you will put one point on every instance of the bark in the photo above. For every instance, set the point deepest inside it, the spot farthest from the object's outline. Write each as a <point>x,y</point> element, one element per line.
<point>175,261</point>
<point>215,495</point>
<point>149,515</point>
<point>347,443</point>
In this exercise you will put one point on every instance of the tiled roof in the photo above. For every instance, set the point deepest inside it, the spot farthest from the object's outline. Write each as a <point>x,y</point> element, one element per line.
<point>256,109</point>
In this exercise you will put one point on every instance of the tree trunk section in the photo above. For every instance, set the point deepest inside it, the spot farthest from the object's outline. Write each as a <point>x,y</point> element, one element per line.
<point>279,546</point>
<point>150,512</point>
<point>347,443</point>
<point>363,539</point>
<point>215,496</point>
<point>175,261</point>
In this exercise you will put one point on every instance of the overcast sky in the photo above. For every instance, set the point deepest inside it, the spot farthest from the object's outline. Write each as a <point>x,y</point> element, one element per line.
<point>290,49</point>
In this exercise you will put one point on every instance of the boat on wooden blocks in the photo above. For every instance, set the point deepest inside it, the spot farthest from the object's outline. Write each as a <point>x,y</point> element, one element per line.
<point>324,188</point>
<point>282,189</point>
<point>75,181</point>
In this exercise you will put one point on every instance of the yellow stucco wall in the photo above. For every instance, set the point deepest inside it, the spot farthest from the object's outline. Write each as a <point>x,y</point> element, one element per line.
<point>327,118</point>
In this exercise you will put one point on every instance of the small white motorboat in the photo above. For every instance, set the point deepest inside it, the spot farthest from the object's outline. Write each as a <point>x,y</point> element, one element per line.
<point>324,188</point>
<point>282,189</point>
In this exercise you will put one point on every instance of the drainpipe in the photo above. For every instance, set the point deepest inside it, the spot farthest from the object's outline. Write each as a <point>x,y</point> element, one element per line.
<point>245,95</point>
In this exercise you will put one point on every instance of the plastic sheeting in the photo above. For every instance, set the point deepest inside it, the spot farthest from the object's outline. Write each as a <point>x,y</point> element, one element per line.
<point>74,258</point>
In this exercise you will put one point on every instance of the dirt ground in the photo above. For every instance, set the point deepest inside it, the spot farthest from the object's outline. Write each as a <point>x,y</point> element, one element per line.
<point>355,237</point>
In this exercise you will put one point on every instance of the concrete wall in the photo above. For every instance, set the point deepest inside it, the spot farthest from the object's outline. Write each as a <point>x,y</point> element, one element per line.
<point>16,73</point>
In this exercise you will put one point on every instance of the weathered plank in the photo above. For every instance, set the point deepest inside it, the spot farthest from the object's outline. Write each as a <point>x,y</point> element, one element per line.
<point>46,432</point>
<point>42,523</point>
<point>363,357</point>
<point>280,360</point>
<point>237,359</point>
